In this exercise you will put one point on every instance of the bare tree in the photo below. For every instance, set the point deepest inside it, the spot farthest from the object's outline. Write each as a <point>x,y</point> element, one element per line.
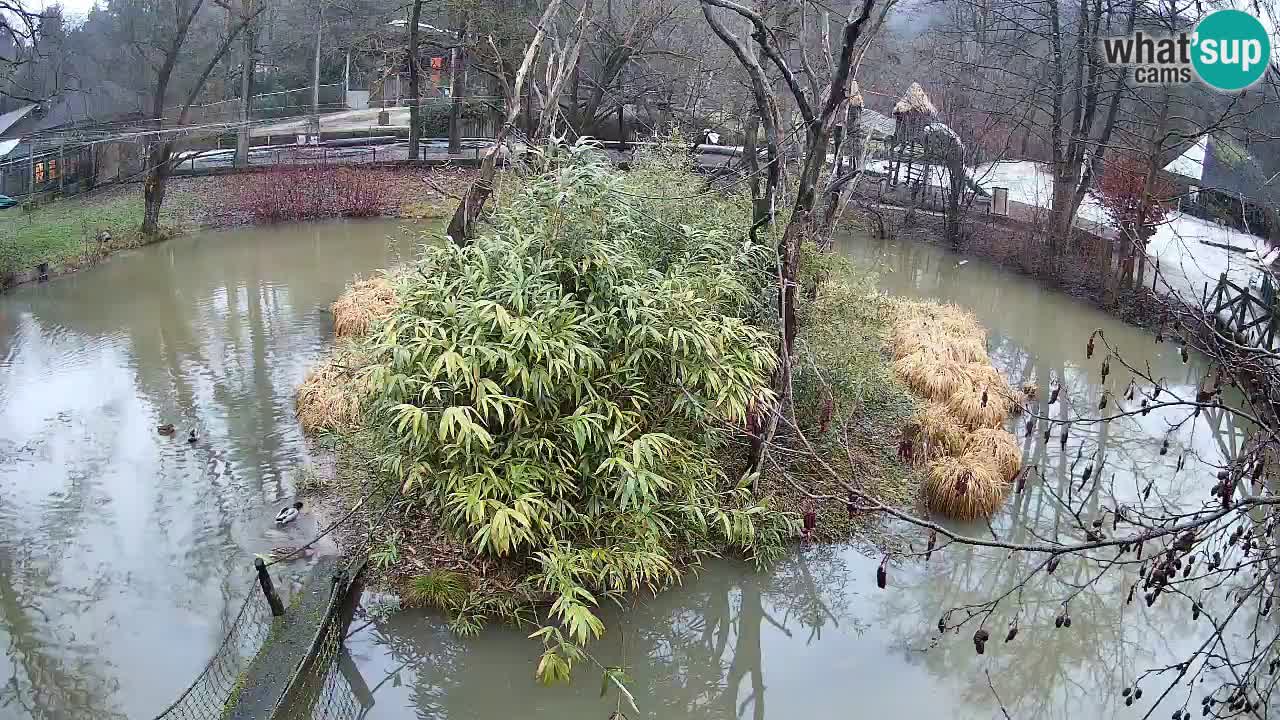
<point>169,43</point>
<point>462,224</point>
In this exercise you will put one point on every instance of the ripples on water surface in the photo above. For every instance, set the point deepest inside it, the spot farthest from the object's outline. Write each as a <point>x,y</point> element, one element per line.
<point>120,551</point>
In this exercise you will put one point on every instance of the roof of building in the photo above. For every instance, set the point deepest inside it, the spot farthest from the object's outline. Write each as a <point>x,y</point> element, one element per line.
<point>402,23</point>
<point>941,129</point>
<point>877,125</point>
<point>8,119</point>
<point>1190,164</point>
<point>1230,168</point>
<point>915,100</point>
<point>101,102</point>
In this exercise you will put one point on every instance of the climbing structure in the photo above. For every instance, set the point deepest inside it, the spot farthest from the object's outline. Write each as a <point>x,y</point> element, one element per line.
<point>913,113</point>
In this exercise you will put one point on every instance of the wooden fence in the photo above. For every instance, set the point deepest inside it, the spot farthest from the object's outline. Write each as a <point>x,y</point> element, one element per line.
<point>1243,312</point>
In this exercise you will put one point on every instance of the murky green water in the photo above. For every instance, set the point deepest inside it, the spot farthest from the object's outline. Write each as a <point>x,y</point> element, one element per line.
<point>121,551</point>
<point>815,638</point>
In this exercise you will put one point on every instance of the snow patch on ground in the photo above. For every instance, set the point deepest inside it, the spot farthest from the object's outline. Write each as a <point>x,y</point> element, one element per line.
<point>1189,263</point>
<point>1186,263</point>
<point>1031,183</point>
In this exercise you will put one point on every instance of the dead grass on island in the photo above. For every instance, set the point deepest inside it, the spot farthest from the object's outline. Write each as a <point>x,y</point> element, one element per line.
<point>971,459</point>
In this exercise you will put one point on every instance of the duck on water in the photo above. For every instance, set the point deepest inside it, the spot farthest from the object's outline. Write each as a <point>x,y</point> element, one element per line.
<point>289,514</point>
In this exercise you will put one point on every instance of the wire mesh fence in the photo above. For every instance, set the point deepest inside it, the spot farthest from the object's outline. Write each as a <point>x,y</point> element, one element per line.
<point>326,684</point>
<point>216,688</point>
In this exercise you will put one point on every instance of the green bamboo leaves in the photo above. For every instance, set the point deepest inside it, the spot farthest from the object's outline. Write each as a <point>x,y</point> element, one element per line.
<point>563,388</point>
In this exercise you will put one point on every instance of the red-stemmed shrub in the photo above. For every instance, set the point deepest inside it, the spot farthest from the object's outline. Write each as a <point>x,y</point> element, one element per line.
<point>308,192</point>
<point>1121,190</point>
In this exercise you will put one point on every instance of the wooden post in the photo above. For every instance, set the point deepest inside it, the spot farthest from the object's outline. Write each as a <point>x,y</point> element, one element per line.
<point>268,588</point>
<point>31,166</point>
<point>62,166</point>
<point>1270,335</point>
<point>622,128</point>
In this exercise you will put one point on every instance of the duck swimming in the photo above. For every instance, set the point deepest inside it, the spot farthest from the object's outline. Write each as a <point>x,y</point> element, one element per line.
<point>289,514</point>
<point>192,436</point>
<point>166,429</point>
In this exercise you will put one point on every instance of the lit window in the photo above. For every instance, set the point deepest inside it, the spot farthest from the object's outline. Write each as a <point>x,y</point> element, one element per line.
<point>39,172</point>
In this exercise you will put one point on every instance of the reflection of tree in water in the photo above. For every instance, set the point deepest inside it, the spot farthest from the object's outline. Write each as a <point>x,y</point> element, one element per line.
<point>695,652</point>
<point>46,681</point>
<point>1039,337</point>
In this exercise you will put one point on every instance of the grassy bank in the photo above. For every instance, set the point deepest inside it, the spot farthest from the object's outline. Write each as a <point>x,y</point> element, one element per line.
<point>64,233</point>
<point>560,412</point>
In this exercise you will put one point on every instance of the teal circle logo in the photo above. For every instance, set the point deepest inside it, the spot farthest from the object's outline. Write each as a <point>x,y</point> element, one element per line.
<point>1231,50</point>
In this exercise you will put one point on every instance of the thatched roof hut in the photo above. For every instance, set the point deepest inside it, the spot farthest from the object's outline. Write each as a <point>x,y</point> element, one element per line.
<point>914,101</point>
<point>855,94</point>
<point>913,112</point>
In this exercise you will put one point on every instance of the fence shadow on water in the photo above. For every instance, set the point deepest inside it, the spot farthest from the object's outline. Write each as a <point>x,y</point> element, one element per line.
<point>326,685</point>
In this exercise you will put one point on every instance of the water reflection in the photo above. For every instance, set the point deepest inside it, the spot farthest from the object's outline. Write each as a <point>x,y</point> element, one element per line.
<point>814,638</point>
<point>121,550</point>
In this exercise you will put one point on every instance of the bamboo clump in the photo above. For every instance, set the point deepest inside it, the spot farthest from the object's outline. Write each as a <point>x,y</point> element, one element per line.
<point>940,354</point>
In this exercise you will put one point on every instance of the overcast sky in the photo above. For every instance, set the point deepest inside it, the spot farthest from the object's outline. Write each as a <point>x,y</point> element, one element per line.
<point>71,8</point>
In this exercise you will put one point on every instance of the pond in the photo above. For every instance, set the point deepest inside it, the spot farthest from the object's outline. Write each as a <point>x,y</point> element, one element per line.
<point>815,637</point>
<point>122,551</point>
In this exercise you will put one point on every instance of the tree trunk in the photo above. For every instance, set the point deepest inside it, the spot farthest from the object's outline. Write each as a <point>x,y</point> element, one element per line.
<point>415,101</point>
<point>153,189</point>
<point>162,150</point>
<point>750,158</point>
<point>567,66</point>
<point>955,193</point>
<point>457,89</point>
<point>575,86</point>
<point>246,89</point>
<point>462,224</point>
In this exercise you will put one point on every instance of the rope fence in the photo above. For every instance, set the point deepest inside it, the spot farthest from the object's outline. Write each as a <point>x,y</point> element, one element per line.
<point>326,684</point>
<point>208,697</point>
<point>323,685</point>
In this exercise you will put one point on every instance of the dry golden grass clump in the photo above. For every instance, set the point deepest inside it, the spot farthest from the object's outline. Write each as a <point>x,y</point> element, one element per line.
<point>364,303</point>
<point>965,487</point>
<point>330,397</point>
<point>941,355</point>
<point>999,448</point>
<point>978,408</point>
<point>930,376</point>
<point>940,430</point>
